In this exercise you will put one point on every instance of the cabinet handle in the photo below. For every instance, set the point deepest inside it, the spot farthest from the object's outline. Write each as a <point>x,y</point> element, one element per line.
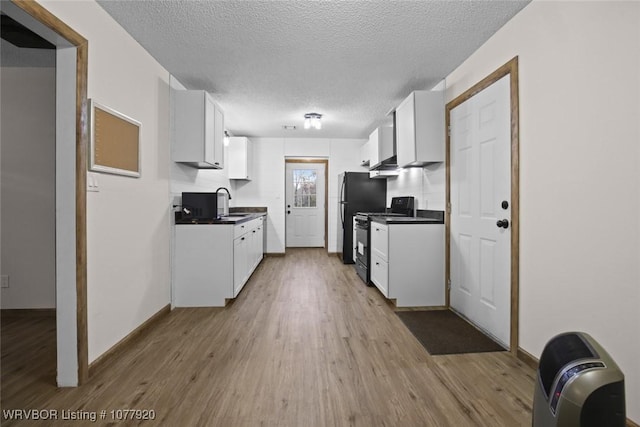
<point>242,238</point>
<point>254,231</point>
<point>377,263</point>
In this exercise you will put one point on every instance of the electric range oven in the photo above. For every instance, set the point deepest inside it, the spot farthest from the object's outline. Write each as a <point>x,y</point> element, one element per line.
<point>400,206</point>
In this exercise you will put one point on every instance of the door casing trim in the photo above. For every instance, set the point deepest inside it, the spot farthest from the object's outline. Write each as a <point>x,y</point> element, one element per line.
<point>510,68</point>
<point>326,191</point>
<point>81,44</point>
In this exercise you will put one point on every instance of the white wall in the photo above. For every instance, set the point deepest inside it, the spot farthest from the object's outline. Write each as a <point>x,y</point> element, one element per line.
<point>268,187</point>
<point>28,186</point>
<point>580,172</point>
<point>128,224</point>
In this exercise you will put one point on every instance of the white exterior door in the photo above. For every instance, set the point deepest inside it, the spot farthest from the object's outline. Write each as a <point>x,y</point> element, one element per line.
<point>480,251</point>
<point>304,210</point>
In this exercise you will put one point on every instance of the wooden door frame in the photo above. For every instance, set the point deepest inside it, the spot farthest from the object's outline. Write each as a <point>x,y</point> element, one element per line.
<point>326,192</point>
<point>49,20</point>
<point>511,69</point>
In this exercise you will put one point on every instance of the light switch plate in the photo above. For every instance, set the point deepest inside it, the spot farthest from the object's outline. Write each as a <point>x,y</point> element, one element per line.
<point>92,182</point>
<point>5,281</point>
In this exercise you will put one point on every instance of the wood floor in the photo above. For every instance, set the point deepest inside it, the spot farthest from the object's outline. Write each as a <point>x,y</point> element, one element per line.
<point>304,344</point>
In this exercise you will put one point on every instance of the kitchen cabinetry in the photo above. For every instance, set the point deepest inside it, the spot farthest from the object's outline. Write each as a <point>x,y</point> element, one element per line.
<point>365,153</point>
<point>240,158</point>
<point>381,146</point>
<point>213,262</point>
<point>198,130</point>
<point>420,129</point>
<point>407,263</point>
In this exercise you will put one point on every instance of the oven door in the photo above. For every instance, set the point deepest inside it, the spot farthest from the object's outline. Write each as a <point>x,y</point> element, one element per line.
<point>362,249</point>
<point>361,243</point>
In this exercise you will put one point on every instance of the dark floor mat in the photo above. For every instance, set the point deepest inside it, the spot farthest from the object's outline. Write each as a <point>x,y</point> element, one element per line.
<point>444,332</point>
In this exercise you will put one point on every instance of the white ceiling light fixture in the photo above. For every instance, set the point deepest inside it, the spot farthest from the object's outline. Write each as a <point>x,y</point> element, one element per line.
<point>312,120</point>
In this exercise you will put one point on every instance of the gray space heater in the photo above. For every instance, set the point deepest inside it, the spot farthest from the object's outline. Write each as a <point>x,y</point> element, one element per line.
<point>578,385</point>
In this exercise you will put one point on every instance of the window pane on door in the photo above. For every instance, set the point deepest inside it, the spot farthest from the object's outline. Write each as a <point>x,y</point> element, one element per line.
<point>304,188</point>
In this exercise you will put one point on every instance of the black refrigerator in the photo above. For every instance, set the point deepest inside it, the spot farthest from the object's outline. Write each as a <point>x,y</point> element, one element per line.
<point>357,193</point>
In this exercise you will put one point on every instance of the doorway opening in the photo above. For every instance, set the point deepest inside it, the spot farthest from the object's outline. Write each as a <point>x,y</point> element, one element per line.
<point>70,141</point>
<point>509,69</point>
<point>306,194</point>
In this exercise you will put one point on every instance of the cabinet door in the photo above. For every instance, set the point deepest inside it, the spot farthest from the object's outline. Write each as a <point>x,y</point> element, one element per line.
<point>240,158</point>
<point>260,241</point>
<point>218,137</point>
<point>254,249</point>
<point>239,263</point>
<point>365,153</point>
<point>209,130</point>
<point>420,129</point>
<point>406,132</point>
<point>379,240</point>
<point>374,158</point>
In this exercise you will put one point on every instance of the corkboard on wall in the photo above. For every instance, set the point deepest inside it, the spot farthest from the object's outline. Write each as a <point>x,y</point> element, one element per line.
<point>115,142</point>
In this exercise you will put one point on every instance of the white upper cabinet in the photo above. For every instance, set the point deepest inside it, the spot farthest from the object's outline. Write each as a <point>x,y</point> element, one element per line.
<point>420,129</point>
<point>381,145</point>
<point>365,153</point>
<point>240,158</point>
<point>198,130</point>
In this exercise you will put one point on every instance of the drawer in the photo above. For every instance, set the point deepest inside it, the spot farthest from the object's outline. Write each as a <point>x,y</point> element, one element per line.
<point>240,229</point>
<point>380,274</point>
<point>380,240</point>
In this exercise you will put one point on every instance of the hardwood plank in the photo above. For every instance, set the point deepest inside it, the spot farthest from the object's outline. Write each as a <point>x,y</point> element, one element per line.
<point>305,343</point>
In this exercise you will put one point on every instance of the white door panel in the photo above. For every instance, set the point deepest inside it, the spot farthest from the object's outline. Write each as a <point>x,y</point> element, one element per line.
<point>481,179</point>
<point>305,204</point>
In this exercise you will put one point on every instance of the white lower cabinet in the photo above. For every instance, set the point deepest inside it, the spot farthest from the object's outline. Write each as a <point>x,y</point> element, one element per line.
<point>407,263</point>
<point>213,262</point>
<point>240,262</point>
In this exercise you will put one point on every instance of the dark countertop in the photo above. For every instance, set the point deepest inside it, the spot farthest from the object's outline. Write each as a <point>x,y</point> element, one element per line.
<point>405,220</point>
<point>422,217</point>
<point>235,217</point>
<point>249,209</point>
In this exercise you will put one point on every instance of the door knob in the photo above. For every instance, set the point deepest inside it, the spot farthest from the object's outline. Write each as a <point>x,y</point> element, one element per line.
<point>288,212</point>
<point>503,223</point>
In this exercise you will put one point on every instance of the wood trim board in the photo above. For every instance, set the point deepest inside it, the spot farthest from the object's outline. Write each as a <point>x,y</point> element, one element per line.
<point>45,17</point>
<point>509,68</point>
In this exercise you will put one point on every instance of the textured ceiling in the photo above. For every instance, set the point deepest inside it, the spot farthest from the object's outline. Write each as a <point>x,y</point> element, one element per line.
<point>268,62</point>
